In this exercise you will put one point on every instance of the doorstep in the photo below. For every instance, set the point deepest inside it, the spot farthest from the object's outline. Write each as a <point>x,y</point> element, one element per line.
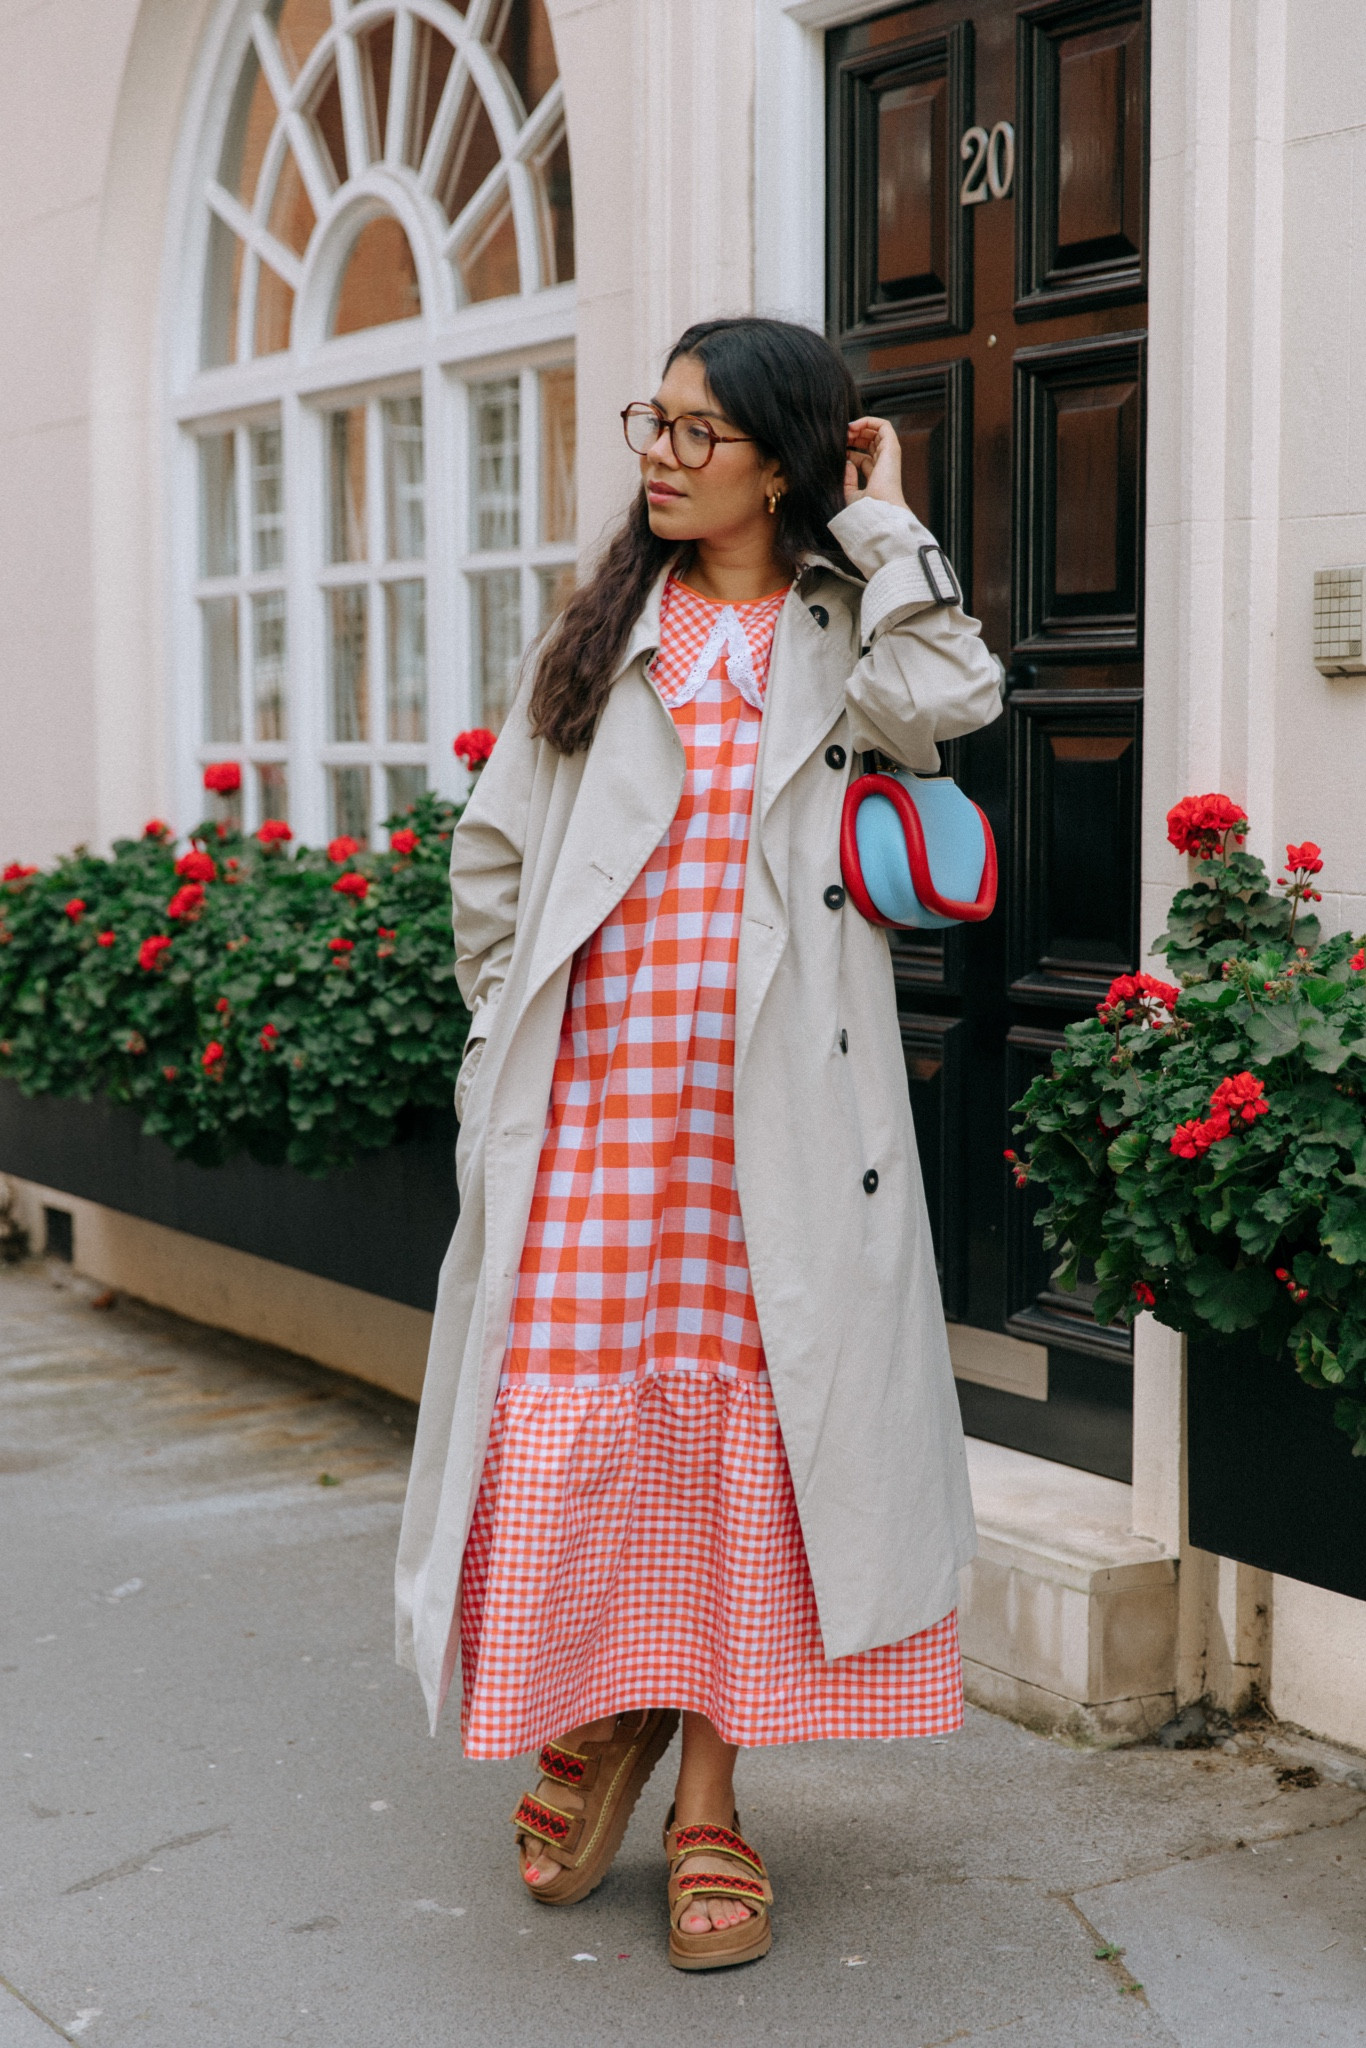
<point>1067,1619</point>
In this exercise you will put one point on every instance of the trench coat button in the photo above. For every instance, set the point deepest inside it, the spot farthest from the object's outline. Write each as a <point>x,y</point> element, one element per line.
<point>836,756</point>
<point>834,896</point>
<point>870,1181</point>
<point>844,1041</point>
<point>819,614</point>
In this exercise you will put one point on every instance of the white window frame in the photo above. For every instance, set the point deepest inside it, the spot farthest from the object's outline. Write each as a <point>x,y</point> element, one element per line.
<point>440,353</point>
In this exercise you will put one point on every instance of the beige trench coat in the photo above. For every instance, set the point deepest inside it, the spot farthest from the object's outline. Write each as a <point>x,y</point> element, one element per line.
<point>844,1280</point>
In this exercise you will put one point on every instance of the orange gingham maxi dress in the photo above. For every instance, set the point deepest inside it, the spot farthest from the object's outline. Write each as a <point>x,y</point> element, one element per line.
<point>635,1540</point>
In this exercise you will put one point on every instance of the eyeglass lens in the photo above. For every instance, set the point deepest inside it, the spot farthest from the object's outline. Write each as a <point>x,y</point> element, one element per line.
<point>692,439</point>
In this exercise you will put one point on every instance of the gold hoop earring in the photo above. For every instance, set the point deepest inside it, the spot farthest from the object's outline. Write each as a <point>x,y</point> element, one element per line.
<point>773,503</point>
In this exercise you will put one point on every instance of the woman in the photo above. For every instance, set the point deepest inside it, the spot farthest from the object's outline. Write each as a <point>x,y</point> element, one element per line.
<point>689,1439</point>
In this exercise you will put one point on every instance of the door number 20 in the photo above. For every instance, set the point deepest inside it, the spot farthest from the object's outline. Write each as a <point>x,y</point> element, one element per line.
<point>990,160</point>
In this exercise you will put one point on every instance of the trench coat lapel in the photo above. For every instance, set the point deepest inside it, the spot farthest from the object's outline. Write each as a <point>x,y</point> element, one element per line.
<point>632,782</point>
<point>808,669</point>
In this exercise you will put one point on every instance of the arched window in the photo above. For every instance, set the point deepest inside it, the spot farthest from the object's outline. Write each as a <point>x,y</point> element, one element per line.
<point>373,390</point>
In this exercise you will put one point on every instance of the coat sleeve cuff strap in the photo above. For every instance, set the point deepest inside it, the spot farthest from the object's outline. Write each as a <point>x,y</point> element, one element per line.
<point>897,587</point>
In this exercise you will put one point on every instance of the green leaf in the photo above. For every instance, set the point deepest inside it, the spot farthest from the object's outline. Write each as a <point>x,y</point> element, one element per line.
<point>1344,1229</point>
<point>1230,1298</point>
<point>1272,1033</point>
<point>1322,1042</point>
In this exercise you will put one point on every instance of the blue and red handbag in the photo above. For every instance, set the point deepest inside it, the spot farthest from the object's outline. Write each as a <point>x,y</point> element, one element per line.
<point>917,854</point>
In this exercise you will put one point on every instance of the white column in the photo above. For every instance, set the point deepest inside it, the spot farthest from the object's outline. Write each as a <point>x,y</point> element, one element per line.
<point>659,97</point>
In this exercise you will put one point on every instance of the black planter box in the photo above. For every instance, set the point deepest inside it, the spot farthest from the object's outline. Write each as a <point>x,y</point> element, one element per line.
<point>383,1225</point>
<point>1272,1481</point>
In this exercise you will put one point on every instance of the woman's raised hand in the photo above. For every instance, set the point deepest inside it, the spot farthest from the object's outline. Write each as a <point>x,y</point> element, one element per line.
<point>873,467</point>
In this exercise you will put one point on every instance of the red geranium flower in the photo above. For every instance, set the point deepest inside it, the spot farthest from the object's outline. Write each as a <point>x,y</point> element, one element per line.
<point>223,1006</point>
<point>1357,963</point>
<point>1308,857</point>
<point>269,1034</point>
<point>187,902</point>
<point>1143,1294</point>
<point>17,872</point>
<point>151,951</point>
<point>342,847</point>
<point>352,885</point>
<point>157,828</point>
<point>402,841</point>
<point>170,1073</point>
<point>1189,1140</point>
<point>274,831</point>
<point>213,1056</point>
<point>1241,1096</point>
<point>341,945</point>
<point>1143,989</point>
<point>75,909</point>
<point>104,939</point>
<point>223,777</point>
<point>1198,824</point>
<point>196,866</point>
<point>474,747</point>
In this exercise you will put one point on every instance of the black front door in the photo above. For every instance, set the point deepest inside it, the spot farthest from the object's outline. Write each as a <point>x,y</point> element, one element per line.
<point>987,284</point>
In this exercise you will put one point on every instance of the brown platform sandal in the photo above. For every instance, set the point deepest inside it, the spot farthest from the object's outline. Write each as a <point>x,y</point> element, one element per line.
<point>609,1777</point>
<point>719,1947</point>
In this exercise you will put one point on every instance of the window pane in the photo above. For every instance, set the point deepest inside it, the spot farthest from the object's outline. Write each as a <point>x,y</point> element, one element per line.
<point>226,807</point>
<point>248,131</point>
<point>218,505</point>
<point>407,692</point>
<point>291,219</point>
<point>431,64</point>
<point>403,787</point>
<point>527,48</point>
<point>272,790</point>
<point>298,26</point>
<point>487,259</point>
<point>404,521</point>
<point>473,152</point>
<point>348,664</point>
<point>222,289</point>
<point>556,195</point>
<point>222,699</point>
<point>558,511</point>
<point>497,463</point>
<point>498,642</point>
<point>329,123</point>
<point>274,313</point>
<point>348,802</point>
<point>267,498</point>
<point>346,485</point>
<point>268,664</point>
<point>555,586</point>
<point>376,64</point>
<point>379,283</point>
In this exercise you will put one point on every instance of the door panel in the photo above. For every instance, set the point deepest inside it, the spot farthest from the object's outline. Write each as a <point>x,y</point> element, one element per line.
<point>931,409</point>
<point>1079,500</point>
<point>1082,134</point>
<point>896,118</point>
<point>1073,901</point>
<point>1004,337</point>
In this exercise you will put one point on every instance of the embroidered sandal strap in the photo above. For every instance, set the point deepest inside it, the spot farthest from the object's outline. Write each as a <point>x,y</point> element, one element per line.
<point>546,1823</point>
<point>568,1767</point>
<point>684,1891</point>
<point>688,1841</point>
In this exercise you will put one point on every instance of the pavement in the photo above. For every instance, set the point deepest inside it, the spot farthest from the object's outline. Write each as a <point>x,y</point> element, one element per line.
<point>223,1823</point>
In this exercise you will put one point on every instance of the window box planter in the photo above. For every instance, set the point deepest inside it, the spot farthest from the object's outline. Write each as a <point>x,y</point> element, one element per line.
<point>1272,1482</point>
<point>382,1225</point>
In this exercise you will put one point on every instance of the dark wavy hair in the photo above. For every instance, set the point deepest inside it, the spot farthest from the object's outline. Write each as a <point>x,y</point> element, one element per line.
<point>790,391</point>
